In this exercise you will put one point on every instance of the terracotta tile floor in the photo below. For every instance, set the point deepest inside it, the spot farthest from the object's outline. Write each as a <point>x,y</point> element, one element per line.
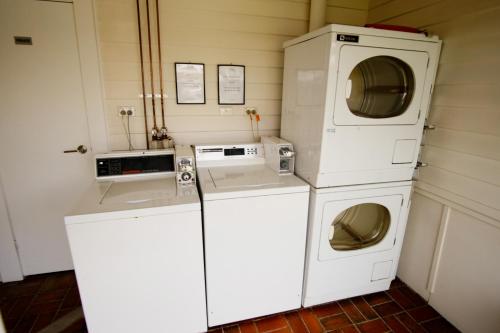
<point>30,305</point>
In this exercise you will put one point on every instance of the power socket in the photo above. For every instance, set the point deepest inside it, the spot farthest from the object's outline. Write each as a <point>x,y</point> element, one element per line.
<point>251,110</point>
<point>126,111</point>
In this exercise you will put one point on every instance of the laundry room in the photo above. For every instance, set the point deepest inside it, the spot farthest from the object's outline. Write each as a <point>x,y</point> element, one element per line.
<point>261,166</point>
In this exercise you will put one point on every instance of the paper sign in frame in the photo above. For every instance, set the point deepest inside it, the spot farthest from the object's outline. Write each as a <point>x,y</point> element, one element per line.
<point>219,91</point>
<point>177,83</point>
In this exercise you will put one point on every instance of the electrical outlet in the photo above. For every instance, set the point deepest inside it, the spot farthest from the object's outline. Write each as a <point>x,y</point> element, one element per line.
<point>251,110</point>
<point>226,111</point>
<point>126,110</point>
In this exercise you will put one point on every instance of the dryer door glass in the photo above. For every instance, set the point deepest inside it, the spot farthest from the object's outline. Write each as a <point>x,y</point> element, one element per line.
<point>359,227</point>
<point>380,87</point>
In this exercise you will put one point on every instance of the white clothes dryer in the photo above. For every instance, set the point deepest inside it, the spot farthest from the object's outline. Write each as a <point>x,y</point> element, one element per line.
<point>255,223</point>
<point>354,240</point>
<point>355,102</point>
<point>137,247</point>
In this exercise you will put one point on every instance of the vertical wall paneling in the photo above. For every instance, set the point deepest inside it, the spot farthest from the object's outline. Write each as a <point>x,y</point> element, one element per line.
<point>244,32</point>
<point>421,232</point>
<point>463,176</point>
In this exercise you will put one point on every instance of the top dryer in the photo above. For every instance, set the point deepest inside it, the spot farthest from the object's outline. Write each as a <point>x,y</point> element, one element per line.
<point>355,102</point>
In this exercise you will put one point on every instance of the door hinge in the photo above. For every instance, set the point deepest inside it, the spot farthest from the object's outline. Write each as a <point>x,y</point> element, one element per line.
<point>419,112</point>
<point>402,200</point>
<point>428,61</point>
<point>394,242</point>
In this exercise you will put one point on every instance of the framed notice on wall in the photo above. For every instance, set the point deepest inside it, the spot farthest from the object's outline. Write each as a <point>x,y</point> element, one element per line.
<point>190,83</point>
<point>231,84</point>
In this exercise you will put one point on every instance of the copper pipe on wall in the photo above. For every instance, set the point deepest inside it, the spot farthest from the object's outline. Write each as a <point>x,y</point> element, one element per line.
<point>142,73</point>
<point>155,127</point>
<point>163,129</point>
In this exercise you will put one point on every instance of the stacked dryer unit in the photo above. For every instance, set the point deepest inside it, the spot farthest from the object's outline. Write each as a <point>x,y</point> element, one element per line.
<point>354,106</point>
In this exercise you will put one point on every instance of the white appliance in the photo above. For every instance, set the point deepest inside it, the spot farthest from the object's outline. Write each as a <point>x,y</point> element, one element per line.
<point>355,101</point>
<point>255,223</point>
<point>137,247</point>
<point>185,165</point>
<point>279,154</point>
<point>354,240</point>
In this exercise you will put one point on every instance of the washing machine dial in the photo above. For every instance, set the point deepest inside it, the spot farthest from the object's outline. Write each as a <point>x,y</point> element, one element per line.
<point>186,176</point>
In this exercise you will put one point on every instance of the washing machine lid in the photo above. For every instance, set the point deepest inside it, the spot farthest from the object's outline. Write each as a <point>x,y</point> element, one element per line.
<point>116,200</point>
<point>225,182</point>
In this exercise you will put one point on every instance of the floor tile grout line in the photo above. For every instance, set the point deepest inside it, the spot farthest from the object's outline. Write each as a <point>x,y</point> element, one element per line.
<point>362,314</point>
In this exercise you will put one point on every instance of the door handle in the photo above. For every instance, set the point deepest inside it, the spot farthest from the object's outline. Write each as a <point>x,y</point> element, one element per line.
<point>80,149</point>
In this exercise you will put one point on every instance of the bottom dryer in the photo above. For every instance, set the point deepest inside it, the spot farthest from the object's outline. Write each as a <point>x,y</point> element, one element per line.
<point>354,239</point>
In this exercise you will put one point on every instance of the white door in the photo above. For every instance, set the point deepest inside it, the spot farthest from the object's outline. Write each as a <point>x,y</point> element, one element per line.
<point>358,226</point>
<point>379,86</point>
<point>42,114</point>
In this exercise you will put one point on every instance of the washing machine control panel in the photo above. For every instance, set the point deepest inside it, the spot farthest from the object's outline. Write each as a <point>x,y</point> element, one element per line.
<point>126,164</point>
<point>229,152</point>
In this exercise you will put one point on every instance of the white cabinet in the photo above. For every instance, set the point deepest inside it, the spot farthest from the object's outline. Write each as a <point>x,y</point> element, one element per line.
<point>450,257</point>
<point>419,243</point>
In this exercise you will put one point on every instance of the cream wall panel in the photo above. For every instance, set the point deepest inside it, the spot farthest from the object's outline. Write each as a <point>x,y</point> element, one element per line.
<point>123,89</point>
<point>119,142</point>
<point>347,12</point>
<point>473,189</point>
<point>128,52</point>
<point>267,107</point>
<point>470,119</point>
<point>376,3</point>
<point>180,124</point>
<point>480,168</point>
<point>468,277</point>
<point>347,16</point>
<point>441,11</point>
<point>196,19</point>
<point>396,8</point>
<point>129,71</point>
<point>466,142</point>
<point>418,246</point>
<point>246,32</point>
<point>473,72</point>
<point>274,8</point>
<point>466,95</point>
<point>353,4</point>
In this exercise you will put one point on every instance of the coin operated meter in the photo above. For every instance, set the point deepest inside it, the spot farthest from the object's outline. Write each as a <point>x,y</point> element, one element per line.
<point>185,166</point>
<point>279,155</point>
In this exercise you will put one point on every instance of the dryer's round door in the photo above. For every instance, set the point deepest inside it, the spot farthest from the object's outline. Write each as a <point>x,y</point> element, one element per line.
<point>378,86</point>
<point>359,226</point>
<point>353,227</point>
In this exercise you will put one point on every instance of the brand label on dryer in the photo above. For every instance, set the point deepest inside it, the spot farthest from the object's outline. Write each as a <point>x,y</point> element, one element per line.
<point>348,38</point>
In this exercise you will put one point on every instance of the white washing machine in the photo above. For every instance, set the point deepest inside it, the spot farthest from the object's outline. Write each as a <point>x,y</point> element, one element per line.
<point>137,247</point>
<point>255,223</point>
<point>354,240</point>
<point>355,102</point>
